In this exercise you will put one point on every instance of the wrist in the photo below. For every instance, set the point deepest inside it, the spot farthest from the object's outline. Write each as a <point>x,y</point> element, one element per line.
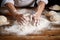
<point>38,14</point>
<point>15,12</point>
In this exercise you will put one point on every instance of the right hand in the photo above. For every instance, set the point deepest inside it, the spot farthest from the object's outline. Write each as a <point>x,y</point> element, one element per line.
<point>20,19</point>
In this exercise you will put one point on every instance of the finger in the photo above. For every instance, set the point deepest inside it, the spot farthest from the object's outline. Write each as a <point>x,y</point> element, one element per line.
<point>19,22</point>
<point>23,20</point>
<point>19,19</point>
<point>39,22</point>
<point>36,22</point>
<point>22,17</point>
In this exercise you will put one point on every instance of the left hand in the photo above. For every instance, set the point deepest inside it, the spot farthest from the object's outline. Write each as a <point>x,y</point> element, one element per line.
<point>35,19</point>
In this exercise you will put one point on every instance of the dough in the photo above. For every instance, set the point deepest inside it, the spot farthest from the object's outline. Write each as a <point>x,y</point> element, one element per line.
<point>3,20</point>
<point>54,16</point>
<point>55,7</point>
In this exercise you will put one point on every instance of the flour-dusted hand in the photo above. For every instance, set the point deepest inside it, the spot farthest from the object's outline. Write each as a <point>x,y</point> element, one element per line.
<point>36,16</point>
<point>20,18</point>
<point>36,19</point>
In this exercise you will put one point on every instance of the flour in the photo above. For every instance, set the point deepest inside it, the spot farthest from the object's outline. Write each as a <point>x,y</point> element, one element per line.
<point>28,27</point>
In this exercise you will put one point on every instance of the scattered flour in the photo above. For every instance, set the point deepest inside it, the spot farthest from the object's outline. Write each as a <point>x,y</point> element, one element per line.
<point>28,28</point>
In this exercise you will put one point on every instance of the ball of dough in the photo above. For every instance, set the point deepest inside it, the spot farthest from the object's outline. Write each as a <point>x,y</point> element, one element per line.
<point>52,13</point>
<point>54,16</point>
<point>3,19</point>
<point>55,7</point>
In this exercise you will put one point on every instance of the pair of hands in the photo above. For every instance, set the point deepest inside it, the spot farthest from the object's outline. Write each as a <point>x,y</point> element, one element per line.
<point>20,18</point>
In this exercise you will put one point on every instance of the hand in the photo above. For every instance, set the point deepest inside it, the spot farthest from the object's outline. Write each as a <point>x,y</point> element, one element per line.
<point>35,19</point>
<point>20,19</point>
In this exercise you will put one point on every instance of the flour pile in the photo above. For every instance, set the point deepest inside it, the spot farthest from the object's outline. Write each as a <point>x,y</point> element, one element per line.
<point>28,28</point>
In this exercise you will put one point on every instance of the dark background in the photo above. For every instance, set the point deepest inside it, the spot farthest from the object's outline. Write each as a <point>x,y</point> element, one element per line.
<point>51,2</point>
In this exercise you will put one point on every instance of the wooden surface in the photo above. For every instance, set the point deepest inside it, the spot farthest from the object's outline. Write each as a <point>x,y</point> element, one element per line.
<point>46,35</point>
<point>30,38</point>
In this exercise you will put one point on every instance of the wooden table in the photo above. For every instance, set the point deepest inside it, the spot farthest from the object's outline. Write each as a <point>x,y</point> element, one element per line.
<point>46,35</point>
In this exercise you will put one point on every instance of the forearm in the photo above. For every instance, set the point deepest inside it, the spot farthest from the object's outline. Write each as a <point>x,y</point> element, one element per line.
<point>11,8</point>
<point>40,8</point>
